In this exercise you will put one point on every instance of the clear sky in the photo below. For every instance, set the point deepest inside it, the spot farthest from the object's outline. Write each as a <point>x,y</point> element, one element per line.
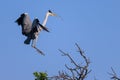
<point>93,24</point>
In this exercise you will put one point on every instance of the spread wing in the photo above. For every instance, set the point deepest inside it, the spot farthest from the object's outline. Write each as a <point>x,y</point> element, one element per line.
<point>36,24</point>
<point>44,28</point>
<point>25,22</point>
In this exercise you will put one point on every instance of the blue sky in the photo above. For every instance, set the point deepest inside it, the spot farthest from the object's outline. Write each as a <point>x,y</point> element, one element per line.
<point>93,24</point>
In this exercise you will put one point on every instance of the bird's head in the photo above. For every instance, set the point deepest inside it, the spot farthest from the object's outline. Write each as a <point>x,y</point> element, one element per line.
<point>51,13</point>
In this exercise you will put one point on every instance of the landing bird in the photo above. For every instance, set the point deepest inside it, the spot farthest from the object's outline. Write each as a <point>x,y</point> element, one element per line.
<point>32,29</point>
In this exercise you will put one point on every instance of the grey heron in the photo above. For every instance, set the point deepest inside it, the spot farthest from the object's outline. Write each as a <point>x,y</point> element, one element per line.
<point>32,29</point>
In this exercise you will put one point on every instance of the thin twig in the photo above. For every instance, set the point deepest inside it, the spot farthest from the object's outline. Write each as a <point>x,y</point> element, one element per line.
<point>66,54</point>
<point>114,75</point>
<point>79,72</point>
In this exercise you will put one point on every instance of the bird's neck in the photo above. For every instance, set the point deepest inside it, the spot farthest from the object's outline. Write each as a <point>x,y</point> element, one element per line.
<point>45,19</point>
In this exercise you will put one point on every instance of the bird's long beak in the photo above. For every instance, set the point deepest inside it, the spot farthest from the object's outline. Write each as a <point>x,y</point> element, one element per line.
<point>53,14</point>
<point>57,16</point>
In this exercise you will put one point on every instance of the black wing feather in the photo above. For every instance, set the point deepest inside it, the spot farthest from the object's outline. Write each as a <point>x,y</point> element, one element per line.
<point>25,22</point>
<point>44,28</point>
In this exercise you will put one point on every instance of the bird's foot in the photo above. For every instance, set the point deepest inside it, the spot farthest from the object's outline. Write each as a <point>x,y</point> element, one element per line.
<point>38,50</point>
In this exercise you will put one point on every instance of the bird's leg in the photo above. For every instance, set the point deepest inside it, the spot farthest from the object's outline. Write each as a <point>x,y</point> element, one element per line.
<point>34,41</point>
<point>38,50</point>
<point>34,45</point>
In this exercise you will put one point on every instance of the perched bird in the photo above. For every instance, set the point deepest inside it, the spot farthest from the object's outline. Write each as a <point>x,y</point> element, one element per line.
<point>28,28</point>
<point>32,29</point>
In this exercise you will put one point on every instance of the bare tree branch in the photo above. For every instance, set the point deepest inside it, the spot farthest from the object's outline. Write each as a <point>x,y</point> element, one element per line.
<point>78,72</point>
<point>114,75</point>
<point>66,54</point>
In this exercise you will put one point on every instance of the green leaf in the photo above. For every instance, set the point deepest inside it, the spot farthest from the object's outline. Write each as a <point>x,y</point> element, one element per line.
<point>36,74</point>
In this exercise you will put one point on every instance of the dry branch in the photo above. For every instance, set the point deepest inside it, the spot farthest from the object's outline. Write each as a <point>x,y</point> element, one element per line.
<point>78,72</point>
<point>114,75</point>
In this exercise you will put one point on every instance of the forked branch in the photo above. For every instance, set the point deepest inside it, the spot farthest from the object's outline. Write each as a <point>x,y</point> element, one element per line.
<point>77,72</point>
<point>114,75</point>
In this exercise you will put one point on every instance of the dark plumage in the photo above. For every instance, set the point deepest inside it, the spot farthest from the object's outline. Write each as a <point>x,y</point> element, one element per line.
<point>43,27</point>
<point>20,19</point>
<point>25,22</point>
<point>28,28</point>
<point>32,29</point>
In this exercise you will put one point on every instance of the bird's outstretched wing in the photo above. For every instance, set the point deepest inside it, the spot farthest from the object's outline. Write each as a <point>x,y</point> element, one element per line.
<point>36,24</point>
<point>25,22</point>
<point>44,28</point>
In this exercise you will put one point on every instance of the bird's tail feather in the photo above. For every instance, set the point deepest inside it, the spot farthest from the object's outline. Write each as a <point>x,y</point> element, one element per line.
<point>27,41</point>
